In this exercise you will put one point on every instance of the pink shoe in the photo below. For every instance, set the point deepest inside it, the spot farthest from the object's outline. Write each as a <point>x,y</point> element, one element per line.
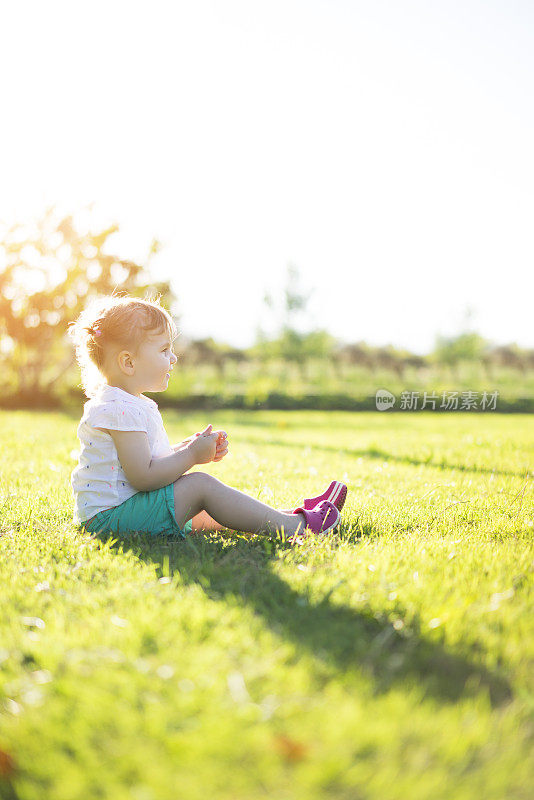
<point>336,494</point>
<point>321,519</point>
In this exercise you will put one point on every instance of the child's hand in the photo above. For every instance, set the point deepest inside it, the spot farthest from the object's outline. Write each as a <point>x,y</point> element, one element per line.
<point>185,443</point>
<point>221,448</point>
<point>204,446</point>
<point>222,445</point>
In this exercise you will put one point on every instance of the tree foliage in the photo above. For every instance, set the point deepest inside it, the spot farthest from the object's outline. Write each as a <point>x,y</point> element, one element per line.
<point>467,346</point>
<point>49,269</point>
<point>289,343</point>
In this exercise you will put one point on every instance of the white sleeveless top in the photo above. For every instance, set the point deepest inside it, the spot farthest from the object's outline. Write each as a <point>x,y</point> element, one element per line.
<point>98,481</point>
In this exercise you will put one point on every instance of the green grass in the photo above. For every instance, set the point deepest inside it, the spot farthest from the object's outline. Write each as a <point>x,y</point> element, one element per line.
<point>391,660</point>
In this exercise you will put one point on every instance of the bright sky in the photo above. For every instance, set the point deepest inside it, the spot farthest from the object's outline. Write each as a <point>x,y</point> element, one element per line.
<point>384,148</point>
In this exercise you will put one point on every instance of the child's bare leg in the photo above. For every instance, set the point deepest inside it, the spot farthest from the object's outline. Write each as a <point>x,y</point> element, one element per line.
<point>198,491</point>
<point>203,522</point>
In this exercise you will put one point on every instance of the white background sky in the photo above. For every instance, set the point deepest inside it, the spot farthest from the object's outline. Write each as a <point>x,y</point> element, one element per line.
<point>383,148</point>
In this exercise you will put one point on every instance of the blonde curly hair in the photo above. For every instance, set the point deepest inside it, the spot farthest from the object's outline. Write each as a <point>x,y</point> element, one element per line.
<point>123,321</point>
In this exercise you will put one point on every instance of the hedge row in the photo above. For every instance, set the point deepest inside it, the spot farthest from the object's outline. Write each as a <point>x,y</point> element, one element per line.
<point>274,400</point>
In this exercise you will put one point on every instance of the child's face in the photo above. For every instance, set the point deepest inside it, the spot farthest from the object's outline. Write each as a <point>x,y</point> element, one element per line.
<point>155,359</point>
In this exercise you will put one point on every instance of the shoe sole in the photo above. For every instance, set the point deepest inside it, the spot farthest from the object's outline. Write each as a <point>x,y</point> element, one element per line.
<point>338,496</point>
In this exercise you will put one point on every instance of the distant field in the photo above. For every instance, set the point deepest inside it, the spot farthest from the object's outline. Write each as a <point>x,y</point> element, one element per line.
<point>322,377</point>
<point>391,661</point>
<point>255,381</point>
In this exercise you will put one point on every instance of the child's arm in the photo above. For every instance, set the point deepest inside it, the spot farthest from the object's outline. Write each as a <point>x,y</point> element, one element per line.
<point>184,443</point>
<point>144,472</point>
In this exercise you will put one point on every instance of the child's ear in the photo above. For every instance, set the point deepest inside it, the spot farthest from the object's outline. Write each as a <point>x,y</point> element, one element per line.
<point>125,362</point>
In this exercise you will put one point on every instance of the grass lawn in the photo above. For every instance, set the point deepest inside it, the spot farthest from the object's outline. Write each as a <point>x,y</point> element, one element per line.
<point>393,659</point>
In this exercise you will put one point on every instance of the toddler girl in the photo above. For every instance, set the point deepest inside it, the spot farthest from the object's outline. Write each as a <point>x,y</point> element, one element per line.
<point>129,477</point>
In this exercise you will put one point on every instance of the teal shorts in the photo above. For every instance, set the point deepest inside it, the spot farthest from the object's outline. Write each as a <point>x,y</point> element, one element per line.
<point>144,512</point>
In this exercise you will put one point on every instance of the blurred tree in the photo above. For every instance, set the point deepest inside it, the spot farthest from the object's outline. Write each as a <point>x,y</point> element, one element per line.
<point>319,343</point>
<point>510,356</point>
<point>203,352</point>
<point>48,271</point>
<point>294,301</point>
<point>352,354</point>
<point>468,346</point>
<point>388,358</point>
<point>289,343</point>
<point>413,361</point>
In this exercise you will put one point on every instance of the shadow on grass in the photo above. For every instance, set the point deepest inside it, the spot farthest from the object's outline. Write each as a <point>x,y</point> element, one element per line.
<point>373,453</point>
<point>383,455</point>
<point>231,565</point>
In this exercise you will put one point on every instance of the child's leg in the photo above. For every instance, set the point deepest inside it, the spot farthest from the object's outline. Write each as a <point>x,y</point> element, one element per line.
<point>203,522</point>
<point>198,491</point>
